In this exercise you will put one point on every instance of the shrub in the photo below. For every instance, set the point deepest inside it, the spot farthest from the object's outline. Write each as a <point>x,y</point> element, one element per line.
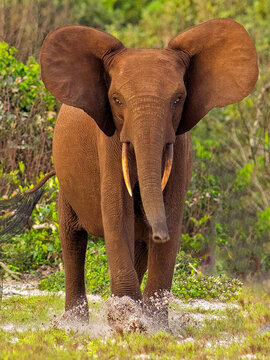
<point>226,218</point>
<point>188,281</point>
<point>27,115</point>
<point>39,244</point>
<point>96,271</point>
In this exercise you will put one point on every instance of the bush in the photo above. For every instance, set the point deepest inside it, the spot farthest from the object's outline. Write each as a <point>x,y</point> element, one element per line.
<point>188,281</point>
<point>226,218</point>
<point>96,271</point>
<point>27,115</point>
<point>40,243</point>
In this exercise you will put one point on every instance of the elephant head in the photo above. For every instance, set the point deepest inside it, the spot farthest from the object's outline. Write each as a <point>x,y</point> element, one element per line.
<point>149,96</point>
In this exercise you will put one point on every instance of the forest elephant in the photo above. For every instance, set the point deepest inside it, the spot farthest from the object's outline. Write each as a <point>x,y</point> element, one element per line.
<point>122,149</point>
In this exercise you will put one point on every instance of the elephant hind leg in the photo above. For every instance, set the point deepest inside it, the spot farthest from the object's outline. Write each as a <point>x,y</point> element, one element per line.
<point>140,260</point>
<point>74,242</point>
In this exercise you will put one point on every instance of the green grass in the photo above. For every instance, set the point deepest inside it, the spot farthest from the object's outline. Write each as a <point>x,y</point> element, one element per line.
<point>57,344</point>
<point>227,333</point>
<point>30,310</point>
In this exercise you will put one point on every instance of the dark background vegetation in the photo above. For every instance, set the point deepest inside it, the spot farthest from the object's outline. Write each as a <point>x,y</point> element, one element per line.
<point>226,224</point>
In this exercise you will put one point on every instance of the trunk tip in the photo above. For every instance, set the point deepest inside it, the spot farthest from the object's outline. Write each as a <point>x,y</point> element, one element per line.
<point>160,235</point>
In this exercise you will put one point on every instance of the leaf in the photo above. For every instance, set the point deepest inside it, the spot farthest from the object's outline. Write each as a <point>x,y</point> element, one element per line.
<point>21,167</point>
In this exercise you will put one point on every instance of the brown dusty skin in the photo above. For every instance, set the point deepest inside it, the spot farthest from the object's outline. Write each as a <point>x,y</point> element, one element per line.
<point>149,98</point>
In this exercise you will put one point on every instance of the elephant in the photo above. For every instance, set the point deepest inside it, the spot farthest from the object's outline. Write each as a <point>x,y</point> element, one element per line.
<point>122,148</point>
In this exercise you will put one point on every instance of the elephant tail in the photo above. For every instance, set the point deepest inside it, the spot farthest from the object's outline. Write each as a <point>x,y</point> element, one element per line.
<point>15,212</point>
<point>41,183</point>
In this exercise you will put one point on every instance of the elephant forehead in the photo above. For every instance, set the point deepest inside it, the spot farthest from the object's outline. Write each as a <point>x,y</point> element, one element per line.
<point>146,67</point>
<point>134,61</point>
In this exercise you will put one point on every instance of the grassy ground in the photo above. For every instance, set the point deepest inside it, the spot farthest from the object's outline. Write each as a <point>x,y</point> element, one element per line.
<point>199,330</point>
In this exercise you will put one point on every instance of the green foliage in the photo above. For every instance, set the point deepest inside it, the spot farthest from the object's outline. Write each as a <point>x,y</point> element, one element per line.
<point>197,285</point>
<point>54,282</point>
<point>243,177</point>
<point>22,81</point>
<point>263,222</point>
<point>105,12</point>
<point>226,218</point>
<point>188,281</point>
<point>39,244</point>
<point>202,204</point>
<point>27,115</point>
<point>96,271</point>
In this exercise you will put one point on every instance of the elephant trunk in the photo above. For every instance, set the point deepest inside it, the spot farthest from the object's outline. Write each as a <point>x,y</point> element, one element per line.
<point>149,162</point>
<point>166,172</point>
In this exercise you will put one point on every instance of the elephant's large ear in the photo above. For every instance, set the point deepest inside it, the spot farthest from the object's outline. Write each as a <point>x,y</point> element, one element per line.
<point>223,67</point>
<point>73,71</point>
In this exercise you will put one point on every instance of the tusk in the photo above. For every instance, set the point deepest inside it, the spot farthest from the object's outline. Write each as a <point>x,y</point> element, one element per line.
<point>168,166</point>
<point>125,167</point>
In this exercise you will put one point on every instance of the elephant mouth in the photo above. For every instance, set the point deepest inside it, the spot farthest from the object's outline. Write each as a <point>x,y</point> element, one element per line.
<point>166,172</point>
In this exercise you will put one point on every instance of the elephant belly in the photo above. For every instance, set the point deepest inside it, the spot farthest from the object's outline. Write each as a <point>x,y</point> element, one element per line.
<point>76,164</point>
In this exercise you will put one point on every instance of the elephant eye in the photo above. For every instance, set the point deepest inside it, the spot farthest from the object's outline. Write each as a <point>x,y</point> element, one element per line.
<point>117,101</point>
<point>178,100</point>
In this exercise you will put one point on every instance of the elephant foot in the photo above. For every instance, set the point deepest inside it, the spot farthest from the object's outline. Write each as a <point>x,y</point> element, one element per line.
<point>77,316</point>
<point>125,315</point>
<point>155,308</point>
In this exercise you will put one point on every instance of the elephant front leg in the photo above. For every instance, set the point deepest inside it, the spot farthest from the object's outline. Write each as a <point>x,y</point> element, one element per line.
<point>161,261</point>
<point>118,223</point>
<point>119,239</point>
<point>161,257</point>
<point>74,243</point>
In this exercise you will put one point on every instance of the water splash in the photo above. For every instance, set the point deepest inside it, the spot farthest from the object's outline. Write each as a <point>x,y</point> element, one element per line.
<point>123,315</point>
